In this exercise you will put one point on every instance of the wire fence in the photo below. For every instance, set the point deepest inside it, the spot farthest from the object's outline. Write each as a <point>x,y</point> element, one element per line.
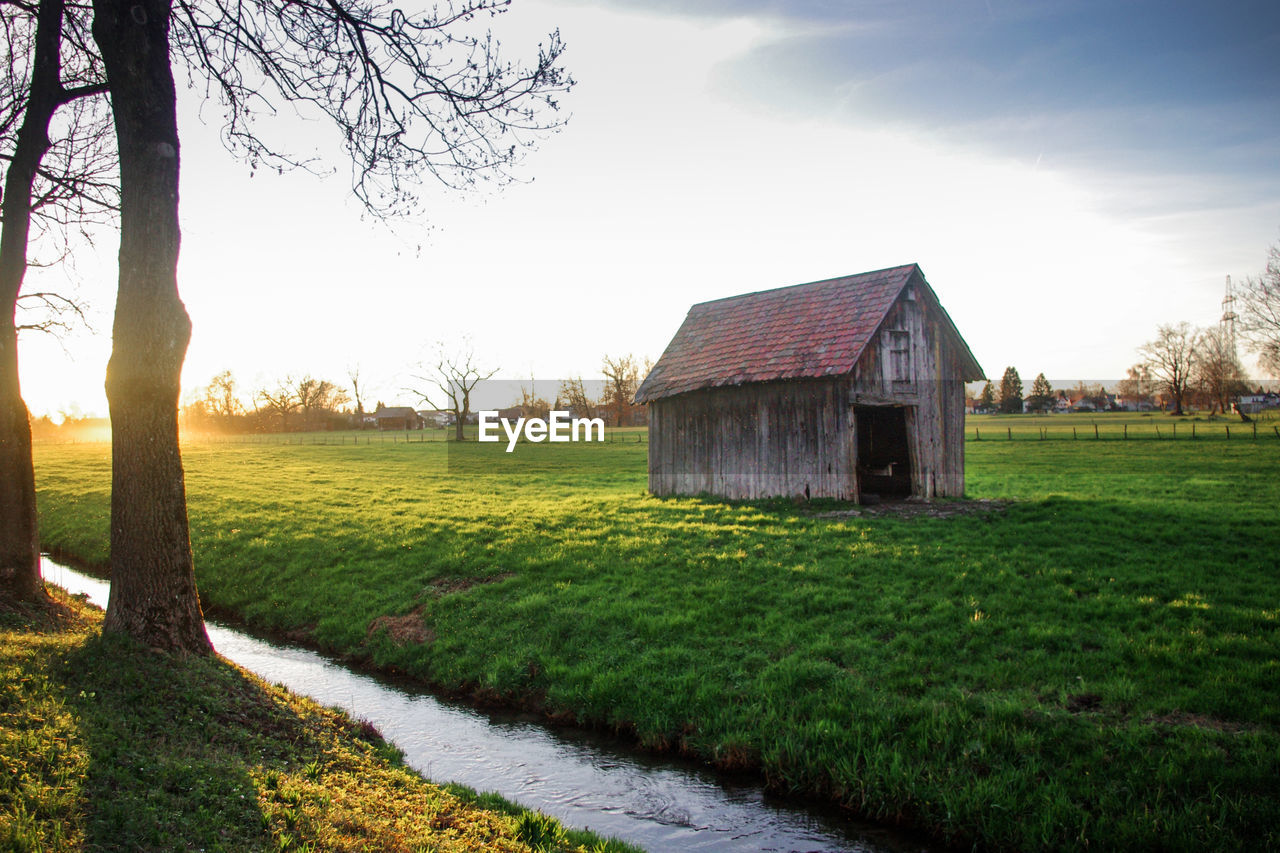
<point>1168,431</point>
<point>998,428</point>
<point>381,438</point>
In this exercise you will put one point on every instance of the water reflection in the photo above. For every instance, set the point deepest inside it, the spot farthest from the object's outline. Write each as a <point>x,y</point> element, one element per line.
<point>583,779</point>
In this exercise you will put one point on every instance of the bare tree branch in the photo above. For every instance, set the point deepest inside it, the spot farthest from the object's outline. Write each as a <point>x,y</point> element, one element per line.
<point>409,95</point>
<point>59,314</point>
<point>1260,313</point>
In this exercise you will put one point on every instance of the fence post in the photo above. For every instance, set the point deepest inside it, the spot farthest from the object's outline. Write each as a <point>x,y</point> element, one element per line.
<point>977,434</point>
<point>1010,431</point>
<point>1193,429</point>
<point>1126,432</point>
<point>1074,435</point>
<point>1095,430</point>
<point>1157,432</point>
<point>1228,432</point>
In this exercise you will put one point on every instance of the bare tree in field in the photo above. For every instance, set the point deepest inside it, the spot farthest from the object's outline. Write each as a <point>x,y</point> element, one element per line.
<point>1137,385</point>
<point>58,178</point>
<point>317,397</point>
<point>280,401</point>
<point>409,95</point>
<point>622,378</point>
<point>532,405</point>
<point>1171,358</point>
<point>1218,374</point>
<point>353,376</point>
<point>1260,313</point>
<point>216,405</point>
<point>573,396</point>
<point>450,379</point>
<point>221,397</point>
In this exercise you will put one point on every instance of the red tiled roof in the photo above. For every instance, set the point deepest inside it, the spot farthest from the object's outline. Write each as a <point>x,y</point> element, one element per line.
<point>799,332</point>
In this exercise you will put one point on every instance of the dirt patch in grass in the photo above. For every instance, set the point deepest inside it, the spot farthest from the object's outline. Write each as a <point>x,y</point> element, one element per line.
<point>447,585</point>
<point>919,509</point>
<point>405,629</point>
<point>1081,702</point>
<point>1203,721</point>
<point>410,629</point>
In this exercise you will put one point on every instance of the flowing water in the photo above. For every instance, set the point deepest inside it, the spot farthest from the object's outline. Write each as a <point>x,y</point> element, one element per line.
<point>582,778</point>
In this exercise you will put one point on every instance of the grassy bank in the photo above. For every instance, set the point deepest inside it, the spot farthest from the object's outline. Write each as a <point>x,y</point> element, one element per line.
<point>1094,663</point>
<point>106,746</point>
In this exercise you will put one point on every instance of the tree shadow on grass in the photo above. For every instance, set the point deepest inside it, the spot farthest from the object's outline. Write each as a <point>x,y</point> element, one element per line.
<point>170,740</point>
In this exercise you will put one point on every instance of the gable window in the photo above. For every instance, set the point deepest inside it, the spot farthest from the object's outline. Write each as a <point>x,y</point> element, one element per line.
<point>899,355</point>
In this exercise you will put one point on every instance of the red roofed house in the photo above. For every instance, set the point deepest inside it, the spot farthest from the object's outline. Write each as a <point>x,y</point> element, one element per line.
<point>847,388</point>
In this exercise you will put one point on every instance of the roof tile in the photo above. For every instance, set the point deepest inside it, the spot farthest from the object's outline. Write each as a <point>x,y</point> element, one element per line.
<point>806,330</point>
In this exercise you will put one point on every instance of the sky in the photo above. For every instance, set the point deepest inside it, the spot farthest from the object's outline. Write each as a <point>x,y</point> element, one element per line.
<point>1069,174</point>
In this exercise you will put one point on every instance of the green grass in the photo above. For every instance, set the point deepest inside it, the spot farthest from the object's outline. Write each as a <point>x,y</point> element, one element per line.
<point>107,746</point>
<point>1095,663</point>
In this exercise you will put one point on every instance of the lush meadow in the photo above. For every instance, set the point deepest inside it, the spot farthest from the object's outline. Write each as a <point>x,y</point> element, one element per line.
<point>1095,661</point>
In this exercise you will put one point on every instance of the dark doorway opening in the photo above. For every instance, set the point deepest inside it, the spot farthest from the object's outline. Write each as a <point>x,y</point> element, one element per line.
<point>884,455</point>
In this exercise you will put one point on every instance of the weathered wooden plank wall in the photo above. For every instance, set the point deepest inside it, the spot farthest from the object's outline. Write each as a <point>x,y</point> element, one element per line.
<point>765,440</point>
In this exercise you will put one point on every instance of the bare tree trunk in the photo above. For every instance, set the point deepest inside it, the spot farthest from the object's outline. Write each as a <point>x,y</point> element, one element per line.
<point>153,589</point>
<point>19,534</point>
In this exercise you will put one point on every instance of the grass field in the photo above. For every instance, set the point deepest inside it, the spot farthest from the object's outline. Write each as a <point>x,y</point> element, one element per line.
<point>106,746</point>
<point>1095,662</point>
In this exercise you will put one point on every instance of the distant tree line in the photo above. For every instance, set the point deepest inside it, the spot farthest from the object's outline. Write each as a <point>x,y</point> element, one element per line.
<point>290,405</point>
<point>1182,367</point>
<point>446,384</point>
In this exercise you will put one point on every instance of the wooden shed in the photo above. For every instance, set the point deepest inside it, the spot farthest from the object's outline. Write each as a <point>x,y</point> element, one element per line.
<point>844,388</point>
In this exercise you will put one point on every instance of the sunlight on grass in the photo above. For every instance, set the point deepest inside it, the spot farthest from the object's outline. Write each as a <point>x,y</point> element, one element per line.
<point>105,745</point>
<point>1099,657</point>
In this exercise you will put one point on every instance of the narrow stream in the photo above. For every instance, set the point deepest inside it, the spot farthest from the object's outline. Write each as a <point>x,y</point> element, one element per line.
<point>584,779</point>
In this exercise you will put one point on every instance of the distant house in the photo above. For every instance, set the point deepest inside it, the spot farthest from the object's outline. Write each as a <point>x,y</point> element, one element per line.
<point>1083,404</point>
<point>436,417</point>
<point>1252,404</point>
<point>843,388</point>
<point>1133,404</point>
<point>398,418</point>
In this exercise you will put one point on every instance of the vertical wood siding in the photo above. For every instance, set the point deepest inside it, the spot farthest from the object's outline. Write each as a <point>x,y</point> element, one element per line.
<point>754,441</point>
